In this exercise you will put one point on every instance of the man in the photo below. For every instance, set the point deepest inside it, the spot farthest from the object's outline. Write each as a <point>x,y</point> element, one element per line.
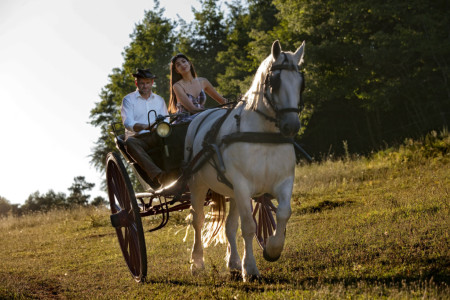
<point>134,111</point>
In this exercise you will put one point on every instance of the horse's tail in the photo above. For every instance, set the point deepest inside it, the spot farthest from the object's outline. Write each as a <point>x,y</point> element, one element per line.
<point>214,229</point>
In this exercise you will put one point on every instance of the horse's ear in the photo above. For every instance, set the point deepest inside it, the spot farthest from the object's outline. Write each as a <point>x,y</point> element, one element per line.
<point>299,53</point>
<point>276,49</point>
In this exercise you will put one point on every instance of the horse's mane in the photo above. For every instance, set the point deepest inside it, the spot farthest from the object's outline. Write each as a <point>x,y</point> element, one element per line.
<point>256,91</point>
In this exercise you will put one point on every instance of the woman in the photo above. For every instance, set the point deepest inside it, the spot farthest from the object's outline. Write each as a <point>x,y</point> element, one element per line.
<point>187,91</point>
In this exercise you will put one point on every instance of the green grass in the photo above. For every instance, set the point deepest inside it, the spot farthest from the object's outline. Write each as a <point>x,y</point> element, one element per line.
<point>361,228</point>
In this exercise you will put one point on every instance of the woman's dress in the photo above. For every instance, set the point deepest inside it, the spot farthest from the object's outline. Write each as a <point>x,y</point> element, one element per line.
<point>198,102</point>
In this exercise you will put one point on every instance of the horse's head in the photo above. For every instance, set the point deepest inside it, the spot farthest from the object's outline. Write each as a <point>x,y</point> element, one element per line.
<point>283,88</point>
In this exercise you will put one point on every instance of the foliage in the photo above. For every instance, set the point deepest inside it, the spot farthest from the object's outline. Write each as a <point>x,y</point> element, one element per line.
<point>432,146</point>
<point>51,200</point>
<point>384,63</point>
<point>152,44</point>
<point>44,202</point>
<point>248,43</point>
<point>203,39</point>
<point>99,201</point>
<point>5,206</point>
<point>77,191</point>
<point>363,227</point>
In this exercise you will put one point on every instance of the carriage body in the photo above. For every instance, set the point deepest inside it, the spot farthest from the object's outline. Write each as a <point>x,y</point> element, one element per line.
<point>167,154</point>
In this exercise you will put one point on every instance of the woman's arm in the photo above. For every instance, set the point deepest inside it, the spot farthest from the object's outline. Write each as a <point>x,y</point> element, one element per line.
<point>184,100</point>
<point>211,91</point>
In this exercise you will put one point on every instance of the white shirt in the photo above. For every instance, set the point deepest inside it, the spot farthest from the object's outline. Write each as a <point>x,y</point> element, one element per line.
<point>135,109</point>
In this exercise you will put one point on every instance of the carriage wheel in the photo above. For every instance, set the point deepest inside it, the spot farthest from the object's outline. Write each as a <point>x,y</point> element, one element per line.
<point>263,214</point>
<point>125,217</point>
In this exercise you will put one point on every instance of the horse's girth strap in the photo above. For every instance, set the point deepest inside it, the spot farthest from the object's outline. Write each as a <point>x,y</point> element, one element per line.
<point>256,137</point>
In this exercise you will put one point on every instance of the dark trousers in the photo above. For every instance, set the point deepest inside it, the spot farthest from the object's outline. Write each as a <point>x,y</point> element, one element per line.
<point>137,147</point>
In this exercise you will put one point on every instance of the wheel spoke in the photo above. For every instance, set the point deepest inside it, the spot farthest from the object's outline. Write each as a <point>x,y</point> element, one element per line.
<point>131,251</point>
<point>259,227</point>
<point>269,203</point>
<point>264,224</point>
<point>255,211</point>
<point>270,221</point>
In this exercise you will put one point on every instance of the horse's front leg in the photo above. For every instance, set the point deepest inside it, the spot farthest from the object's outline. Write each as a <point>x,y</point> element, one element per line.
<point>233,260</point>
<point>248,227</point>
<point>275,243</point>
<point>198,195</point>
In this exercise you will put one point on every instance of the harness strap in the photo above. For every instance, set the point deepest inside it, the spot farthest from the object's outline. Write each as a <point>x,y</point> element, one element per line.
<point>268,118</point>
<point>289,67</point>
<point>265,138</point>
<point>203,120</point>
<point>256,137</point>
<point>211,135</point>
<point>209,142</point>
<point>209,148</point>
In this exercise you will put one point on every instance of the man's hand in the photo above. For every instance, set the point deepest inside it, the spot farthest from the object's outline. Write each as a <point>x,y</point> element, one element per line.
<point>140,126</point>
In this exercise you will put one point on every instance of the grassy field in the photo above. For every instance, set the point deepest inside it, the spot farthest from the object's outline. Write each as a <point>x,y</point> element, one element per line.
<point>361,228</point>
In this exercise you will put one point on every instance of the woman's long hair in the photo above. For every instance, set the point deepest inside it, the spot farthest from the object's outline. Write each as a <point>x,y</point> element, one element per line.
<point>174,78</point>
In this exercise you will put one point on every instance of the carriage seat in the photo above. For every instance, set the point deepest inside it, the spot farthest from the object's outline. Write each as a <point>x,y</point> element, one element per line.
<point>120,143</point>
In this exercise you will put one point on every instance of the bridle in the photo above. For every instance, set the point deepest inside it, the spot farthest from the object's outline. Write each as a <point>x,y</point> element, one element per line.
<point>272,84</point>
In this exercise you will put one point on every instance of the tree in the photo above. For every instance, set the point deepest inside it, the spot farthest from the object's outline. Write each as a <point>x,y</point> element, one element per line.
<point>384,63</point>
<point>78,189</point>
<point>99,201</point>
<point>5,206</point>
<point>203,39</point>
<point>44,202</point>
<point>152,44</point>
<point>247,44</point>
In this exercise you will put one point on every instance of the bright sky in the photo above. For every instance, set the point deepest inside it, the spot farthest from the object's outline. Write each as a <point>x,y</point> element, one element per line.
<point>55,56</point>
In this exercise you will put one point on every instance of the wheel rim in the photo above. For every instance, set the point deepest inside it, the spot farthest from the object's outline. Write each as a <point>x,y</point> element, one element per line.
<point>129,230</point>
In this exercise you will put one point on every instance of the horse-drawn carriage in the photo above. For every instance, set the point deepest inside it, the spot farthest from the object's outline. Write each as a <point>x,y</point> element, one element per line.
<point>222,151</point>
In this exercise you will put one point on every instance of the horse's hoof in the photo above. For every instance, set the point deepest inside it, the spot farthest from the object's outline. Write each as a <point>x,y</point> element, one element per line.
<point>252,278</point>
<point>197,270</point>
<point>269,258</point>
<point>235,275</point>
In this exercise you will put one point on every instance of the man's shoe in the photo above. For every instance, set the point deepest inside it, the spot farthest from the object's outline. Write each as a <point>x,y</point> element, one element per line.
<point>165,178</point>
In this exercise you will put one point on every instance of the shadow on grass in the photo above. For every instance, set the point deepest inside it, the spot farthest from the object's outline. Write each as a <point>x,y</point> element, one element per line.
<point>266,284</point>
<point>23,286</point>
<point>432,276</point>
<point>323,205</point>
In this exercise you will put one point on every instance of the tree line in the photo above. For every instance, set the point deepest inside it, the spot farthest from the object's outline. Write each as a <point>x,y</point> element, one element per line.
<point>38,202</point>
<point>376,71</point>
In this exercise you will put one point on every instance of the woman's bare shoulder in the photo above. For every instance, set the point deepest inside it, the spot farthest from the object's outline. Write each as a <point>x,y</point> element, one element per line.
<point>178,85</point>
<point>203,81</point>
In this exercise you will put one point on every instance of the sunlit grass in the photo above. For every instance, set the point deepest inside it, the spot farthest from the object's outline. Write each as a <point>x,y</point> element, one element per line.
<point>373,227</point>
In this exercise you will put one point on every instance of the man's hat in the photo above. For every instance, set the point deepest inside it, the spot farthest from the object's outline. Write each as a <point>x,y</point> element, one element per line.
<point>144,73</point>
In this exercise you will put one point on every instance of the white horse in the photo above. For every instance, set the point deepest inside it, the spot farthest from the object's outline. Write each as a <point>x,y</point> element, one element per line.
<point>259,161</point>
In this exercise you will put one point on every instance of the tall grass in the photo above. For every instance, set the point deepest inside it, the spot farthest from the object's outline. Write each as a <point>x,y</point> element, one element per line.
<point>375,227</point>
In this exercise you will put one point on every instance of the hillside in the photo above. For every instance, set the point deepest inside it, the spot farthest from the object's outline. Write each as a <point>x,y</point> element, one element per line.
<point>361,227</point>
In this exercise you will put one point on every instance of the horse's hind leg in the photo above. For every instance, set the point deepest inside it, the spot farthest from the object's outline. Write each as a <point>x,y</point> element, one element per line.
<point>198,194</point>
<point>231,226</point>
